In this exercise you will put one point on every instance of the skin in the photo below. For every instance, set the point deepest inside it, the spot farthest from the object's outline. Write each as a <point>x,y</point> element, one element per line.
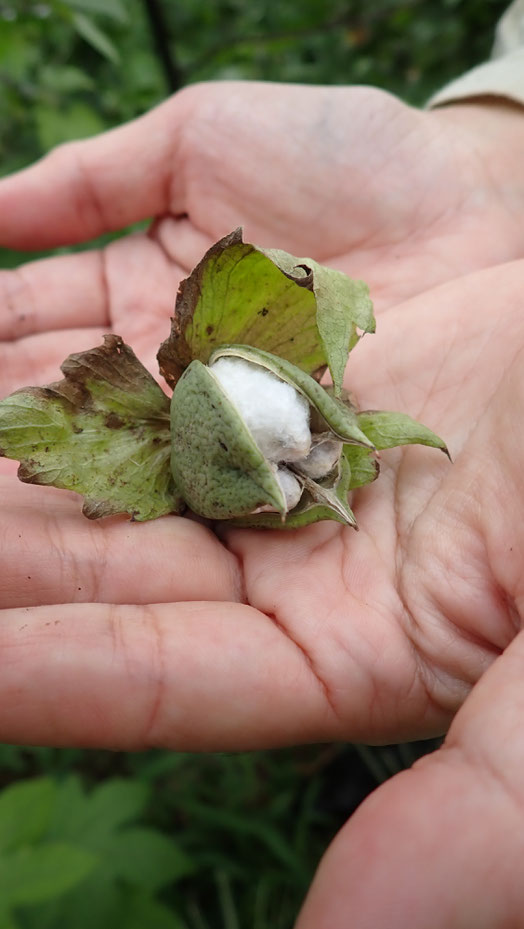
<point>163,634</point>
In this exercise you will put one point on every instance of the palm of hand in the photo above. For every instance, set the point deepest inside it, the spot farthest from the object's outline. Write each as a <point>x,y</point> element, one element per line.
<point>346,635</point>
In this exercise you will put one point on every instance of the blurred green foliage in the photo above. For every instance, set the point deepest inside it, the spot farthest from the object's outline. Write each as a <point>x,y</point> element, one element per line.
<point>90,840</point>
<point>165,840</point>
<point>70,68</point>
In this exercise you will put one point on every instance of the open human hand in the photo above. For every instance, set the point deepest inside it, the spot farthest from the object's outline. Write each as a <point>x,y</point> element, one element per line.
<point>128,635</point>
<point>131,635</point>
<point>349,176</point>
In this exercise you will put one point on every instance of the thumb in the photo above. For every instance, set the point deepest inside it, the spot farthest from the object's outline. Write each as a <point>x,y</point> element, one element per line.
<point>83,189</point>
<point>439,846</point>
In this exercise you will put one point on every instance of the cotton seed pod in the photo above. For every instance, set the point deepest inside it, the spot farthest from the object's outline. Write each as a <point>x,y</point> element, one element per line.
<point>249,435</point>
<point>241,440</point>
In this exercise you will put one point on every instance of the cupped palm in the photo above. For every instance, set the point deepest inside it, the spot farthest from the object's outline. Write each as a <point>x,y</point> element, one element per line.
<point>165,634</point>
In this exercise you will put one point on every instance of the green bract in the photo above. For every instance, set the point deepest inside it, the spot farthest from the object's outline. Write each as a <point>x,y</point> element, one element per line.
<point>249,435</point>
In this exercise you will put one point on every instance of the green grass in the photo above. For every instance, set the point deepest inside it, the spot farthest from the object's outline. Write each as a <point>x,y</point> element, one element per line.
<point>245,831</point>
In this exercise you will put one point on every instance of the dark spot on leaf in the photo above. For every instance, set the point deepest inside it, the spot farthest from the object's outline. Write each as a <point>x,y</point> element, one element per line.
<point>113,421</point>
<point>223,445</point>
<point>28,472</point>
<point>264,311</point>
<point>210,329</point>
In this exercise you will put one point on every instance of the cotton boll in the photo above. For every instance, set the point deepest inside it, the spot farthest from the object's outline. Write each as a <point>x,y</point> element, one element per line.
<point>321,459</point>
<point>291,487</point>
<point>274,412</point>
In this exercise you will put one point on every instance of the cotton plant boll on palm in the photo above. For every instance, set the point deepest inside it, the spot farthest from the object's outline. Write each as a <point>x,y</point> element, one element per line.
<point>276,415</point>
<point>321,459</point>
<point>249,434</point>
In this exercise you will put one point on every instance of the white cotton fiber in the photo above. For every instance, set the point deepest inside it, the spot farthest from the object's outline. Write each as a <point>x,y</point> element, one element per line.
<point>321,459</point>
<point>291,487</point>
<point>274,412</point>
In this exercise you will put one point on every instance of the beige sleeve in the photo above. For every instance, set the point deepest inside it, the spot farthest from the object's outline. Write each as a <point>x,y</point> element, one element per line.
<point>503,74</point>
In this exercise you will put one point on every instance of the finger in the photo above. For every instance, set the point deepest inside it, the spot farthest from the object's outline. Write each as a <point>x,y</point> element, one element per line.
<point>50,553</point>
<point>181,240</point>
<point>197,676</point>
<point>83,189</point>
<point>36,360</point>
<point>131,283</point>
<point>439,845</point>
<point>142,283</point>
<point>66,292</point>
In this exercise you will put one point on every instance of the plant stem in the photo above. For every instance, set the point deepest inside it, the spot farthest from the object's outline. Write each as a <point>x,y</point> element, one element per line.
<point>160,33</point>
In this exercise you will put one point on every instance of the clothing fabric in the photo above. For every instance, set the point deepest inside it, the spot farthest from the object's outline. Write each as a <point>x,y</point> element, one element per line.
<point>502,75</point>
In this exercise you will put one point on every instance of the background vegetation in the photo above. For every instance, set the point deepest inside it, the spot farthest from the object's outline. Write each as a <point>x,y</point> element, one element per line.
<point>165,840</point>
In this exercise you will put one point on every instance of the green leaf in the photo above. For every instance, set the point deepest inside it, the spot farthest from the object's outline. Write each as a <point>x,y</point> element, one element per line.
<point>339,417</point>
<point>113,8</point>
<point>7,920</point>
<point>216,463</point>
<point>117,801</point>
<point>343,305</point>
<point>69,816</point>
<point>237,294</point>
<point>97,902</point>
<point>33,875</point>
<point>89,31</point>
<point>103,432</point>
<point>290,307</point>
<point>90,819</point>
<point>25,810</point>
<point>63,125</point>
<point>364,465</point>
<point>19,53</point>
<point>387,430</point>
<point>143,911</point>
<point>146,858</point>
<point>65,79</point>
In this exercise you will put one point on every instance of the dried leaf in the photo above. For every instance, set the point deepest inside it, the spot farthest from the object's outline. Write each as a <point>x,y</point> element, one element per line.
<point>103,431</point>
